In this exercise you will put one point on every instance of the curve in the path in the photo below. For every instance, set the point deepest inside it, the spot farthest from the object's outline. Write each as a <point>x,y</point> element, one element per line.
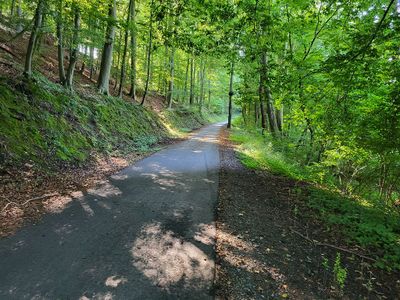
<point>146,233</point>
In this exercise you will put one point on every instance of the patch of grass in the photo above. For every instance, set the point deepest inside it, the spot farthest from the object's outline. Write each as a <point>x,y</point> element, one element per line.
<point>361,222</point>
<point>257,152</point>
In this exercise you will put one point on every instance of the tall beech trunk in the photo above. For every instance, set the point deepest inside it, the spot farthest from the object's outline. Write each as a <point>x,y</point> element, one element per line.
<point>273,126</point>
<point>202,79</point>
<point>186,80</point>
<point>60,46</point>
<point>116,66</point>
<point>191,93</point>
<point>73,57</point>
<point>132,92</point>
<point>123,69</point>
<point>12,8</point>
<point>19,26</point>
<point>146,88</point>
<point>209,94</point>
<point>230,97</point>
<point>171,77</point>
<point>91,59</point>
<point>33,39</point>
<point>279,118</point>
<point>106,56</point>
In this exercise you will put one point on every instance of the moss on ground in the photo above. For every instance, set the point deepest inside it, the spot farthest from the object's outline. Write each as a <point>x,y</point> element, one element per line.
<point>42,122</point>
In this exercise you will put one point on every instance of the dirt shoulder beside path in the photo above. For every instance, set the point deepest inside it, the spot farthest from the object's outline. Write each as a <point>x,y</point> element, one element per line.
<point>263,251</point>
<point>27,193</point>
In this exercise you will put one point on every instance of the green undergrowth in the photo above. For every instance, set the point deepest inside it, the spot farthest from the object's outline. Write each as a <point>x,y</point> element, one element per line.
<point>360,221</point>
<point>42,122</point>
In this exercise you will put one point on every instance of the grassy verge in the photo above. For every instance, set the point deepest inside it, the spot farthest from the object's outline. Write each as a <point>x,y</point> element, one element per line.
<point>360,221</point>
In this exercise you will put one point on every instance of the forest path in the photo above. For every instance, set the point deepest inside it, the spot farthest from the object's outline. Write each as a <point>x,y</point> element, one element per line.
<point>146,233</point>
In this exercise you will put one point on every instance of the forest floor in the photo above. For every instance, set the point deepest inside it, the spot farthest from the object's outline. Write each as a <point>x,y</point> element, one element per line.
<point>266,249</point>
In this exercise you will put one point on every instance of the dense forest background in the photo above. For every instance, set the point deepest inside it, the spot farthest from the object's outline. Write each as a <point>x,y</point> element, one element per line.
<point>315,81</point>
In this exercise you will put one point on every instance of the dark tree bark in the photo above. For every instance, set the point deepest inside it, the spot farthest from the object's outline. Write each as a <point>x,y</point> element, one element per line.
<point>171,77</point>
<point>133,51</point>
<point>73,57</point>
<point>116,66</point>
<point>202,79</point>
<point>19,26</point>
<point>122,79</point>
<point>149,50</point>
<point>273,126</point>
<point>106,56</point>
<point>186,80</point>
<point>230,97</point>
<point>60,46</point>
<point>191,92</point>
<point>33,39</point>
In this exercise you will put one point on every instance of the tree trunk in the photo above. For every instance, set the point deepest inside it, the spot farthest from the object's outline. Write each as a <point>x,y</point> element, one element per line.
<point>133,51</point>
<point>191,93</point>
<point>171,77</point>
<point>60,46</point>
<point>128,19</point>
<point>33,38</point>
<point>19,26</point>
<point>230,97</point>
<point>12,9</point>
<point>279,118</point>
<point>186,80</point>
<point>202,78</point>
<point>116,66</point>
<point>268,96</point>
<point>146,89</point>
<point>91,59</point>
<point>73,57</point>
<point>262,96</point>
<point>106,56</point>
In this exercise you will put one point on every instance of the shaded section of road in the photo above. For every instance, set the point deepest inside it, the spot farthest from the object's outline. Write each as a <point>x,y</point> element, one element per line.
<point>146,233</point>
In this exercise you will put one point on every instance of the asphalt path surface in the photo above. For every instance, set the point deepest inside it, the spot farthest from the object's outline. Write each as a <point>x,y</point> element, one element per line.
<point>146,233</point>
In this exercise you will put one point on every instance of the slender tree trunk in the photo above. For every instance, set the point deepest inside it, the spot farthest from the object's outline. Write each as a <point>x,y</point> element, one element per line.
<point>60,46</point>
<point>202,79</point>
<point>186,80</point>
<point>116,66</point>
<point>12,9</point>
<point>262,93</point>
<point>146,88</point>
<point>191,93</point>
<point>279,118</point>
<point>73,57</point>
<point>133,50</point>
<point>19,26</point>
<point>128,19</point>
<point>209,94</point>
<point>171,77</point>
<point>230,97</point>
<point>33,38</point>
<point>91,59</point>
<point>106,56</point>
<point>268,96</point>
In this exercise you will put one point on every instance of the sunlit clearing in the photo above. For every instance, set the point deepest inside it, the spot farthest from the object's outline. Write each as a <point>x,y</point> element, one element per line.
<point>114,281</point>
<point>166,260</point>
<point>106,189</point>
